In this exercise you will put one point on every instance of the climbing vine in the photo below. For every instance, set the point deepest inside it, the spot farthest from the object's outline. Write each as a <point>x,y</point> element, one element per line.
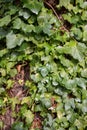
<point>47,42</point>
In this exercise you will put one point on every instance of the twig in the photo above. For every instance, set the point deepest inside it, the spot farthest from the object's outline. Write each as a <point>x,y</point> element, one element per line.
<point>56,15</point>
<point>52,9</point>
<point>62,27</point>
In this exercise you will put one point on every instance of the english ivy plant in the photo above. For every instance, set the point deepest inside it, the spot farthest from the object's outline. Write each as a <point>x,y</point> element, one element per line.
<point>57,58</point>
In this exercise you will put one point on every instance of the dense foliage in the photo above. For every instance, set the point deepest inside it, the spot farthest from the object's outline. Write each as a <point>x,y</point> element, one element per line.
<point>57,56</point>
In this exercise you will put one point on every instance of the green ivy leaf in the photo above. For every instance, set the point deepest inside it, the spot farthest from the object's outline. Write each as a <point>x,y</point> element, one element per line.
<point>9,66</point>
<point>28,28</point>
<point>24,13</point>
<point>65,61</point>
<point>12,72</point>
<point>44,71</point>
<point>2,33</point>
<point>46,102</point>
<point>69,83</point>
<point>13,40</point>
<point>17,23</point>
<point>74,49</point>
<point>84,73</point>
<point>18,126</point>
<point>72,128</point>
<point>34,5</point>
<point>83,4</point>
<point>81,82</point>
<point>12,9</point>
<point>84,15</point>
<point>84,106</point>
<point>3,52</point>
<point>76,32</point>
<point>64,3</point>
<point>5,20</point>
<point>85,33</point>
<point>47,28</point>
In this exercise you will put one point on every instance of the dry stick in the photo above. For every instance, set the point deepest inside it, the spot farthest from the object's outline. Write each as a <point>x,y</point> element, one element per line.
<point>52,9</point>
<point>56,14</point>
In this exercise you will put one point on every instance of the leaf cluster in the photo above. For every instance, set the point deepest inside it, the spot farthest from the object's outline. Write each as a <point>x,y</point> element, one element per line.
<point>58,62</point>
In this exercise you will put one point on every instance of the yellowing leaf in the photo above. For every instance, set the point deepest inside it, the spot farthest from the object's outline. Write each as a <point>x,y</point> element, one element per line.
<point>26,100</point>
<point>29,116</point>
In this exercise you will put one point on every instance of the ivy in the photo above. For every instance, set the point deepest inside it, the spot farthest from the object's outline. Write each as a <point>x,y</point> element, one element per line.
<point>56,49</point>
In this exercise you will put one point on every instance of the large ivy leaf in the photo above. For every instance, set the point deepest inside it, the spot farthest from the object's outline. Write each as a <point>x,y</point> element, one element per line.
<point>17,23</point>
<point>13,40</point>
<point>76,32</point>
<point>3,52</point>
<point>24,13</point>
<point>34,5</point>
<point>5,20</point>
<point>83,4</point>
<point>69,103</point>
<point>12,9</point>
<point>46,102</point>
<point>65,61</point>
<point>28,28</point>
<point>45,17</point>
<point>74,49</point>
<point>47,28</point>
<point>73,19</point>
<point>81,82</point>
<point>69,83</point>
